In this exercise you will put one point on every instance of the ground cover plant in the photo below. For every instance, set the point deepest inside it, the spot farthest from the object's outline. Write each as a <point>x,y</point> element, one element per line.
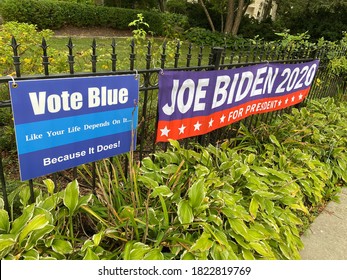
<point>246,198</point>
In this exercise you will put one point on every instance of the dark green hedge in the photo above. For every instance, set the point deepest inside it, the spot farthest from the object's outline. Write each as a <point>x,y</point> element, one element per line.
<point>54,15</point>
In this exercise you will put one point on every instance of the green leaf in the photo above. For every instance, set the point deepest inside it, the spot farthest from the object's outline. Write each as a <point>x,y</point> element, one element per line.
<point>31,255</point>
<point>37,235</point>
<point>187,256</point>
<point>285,250</point>
<point>170,169</point>
<point>6,241</point>
<point>138,251</point>
<point>263,171</point>
<point>280,175</point>
<point>247,254</point>
<point>4,221</point>
<point>21,221</point>
<point>175,144</point>
<point>84,200</point>
<point>49,203</point>
<point>148,182</point>
<point>239,227</point>
<point>251,158</point>
<point>98,237</point>
<point>185,212</point>
<point>148,164</point>
<point>241,171</point>
<point>196,193</point>
<point>62,246</point>
<point>38,222</point>
<point>161,190</point>
<point>90,255</point>
<point>50,185</point>
<point>127,249</point>
<point>263,249</point>
<point>154,254</point>
<point>24,195</point>
<point>253,207</point>
<point>203,243</point>
<point>71,195</point>
<point>219,252</point>
<point>274,140</point>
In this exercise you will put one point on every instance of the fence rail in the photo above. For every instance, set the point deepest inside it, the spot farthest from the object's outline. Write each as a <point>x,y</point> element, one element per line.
<point>217,58</point>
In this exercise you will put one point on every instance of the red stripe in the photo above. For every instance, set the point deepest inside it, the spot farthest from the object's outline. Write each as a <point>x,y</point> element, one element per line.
<point>189,127</point>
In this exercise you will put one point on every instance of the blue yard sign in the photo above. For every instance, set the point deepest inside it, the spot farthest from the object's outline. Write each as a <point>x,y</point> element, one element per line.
<point>63,123</point>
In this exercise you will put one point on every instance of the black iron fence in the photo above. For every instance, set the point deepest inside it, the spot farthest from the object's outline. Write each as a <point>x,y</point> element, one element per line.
<point>326,84</point>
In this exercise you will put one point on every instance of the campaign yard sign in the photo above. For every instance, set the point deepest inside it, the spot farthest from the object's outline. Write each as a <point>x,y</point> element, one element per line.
<point>195,103</point>
<point>63,123</point>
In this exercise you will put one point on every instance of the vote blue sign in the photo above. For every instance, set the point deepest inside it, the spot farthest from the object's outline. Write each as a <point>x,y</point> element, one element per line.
<point>63,123</point>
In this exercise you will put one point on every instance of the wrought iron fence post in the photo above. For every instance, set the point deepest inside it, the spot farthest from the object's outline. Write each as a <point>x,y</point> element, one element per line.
<point>45,58</point>
<point>71,57</point>
<point>3,185</point>
<point>216,57</point>
<point>16,57</point>
<point>94,56</point>
<point>114,55</point>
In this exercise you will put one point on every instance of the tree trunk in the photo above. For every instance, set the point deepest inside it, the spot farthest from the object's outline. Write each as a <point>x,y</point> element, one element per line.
<point>267,9</point>
<point>238,18</point>
<point>207,15</point>
<point>162,5</point>
<point>230,17</point>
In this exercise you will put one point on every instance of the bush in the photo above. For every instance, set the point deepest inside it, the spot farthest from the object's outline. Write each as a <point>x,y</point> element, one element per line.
<point>54,15</point>
<point>204,37</point>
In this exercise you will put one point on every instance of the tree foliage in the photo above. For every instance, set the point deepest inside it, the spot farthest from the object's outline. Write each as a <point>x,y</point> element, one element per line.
<point>320,18</point>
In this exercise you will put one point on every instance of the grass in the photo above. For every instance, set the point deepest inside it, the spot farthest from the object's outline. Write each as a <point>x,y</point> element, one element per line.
<point>82,51</point>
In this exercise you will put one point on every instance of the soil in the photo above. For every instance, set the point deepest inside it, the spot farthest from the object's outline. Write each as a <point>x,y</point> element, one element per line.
<point>71,31</point>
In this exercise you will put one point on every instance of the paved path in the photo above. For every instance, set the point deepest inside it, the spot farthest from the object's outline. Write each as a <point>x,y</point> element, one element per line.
<point>326,239</point>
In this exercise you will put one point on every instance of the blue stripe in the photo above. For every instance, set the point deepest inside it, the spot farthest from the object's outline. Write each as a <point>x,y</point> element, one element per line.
<point>47,161</point>
<point>105,123</point>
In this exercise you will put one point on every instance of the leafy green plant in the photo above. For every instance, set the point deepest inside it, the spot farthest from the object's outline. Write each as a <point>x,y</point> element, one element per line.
<point>45,229</point>
<point>249,197</point>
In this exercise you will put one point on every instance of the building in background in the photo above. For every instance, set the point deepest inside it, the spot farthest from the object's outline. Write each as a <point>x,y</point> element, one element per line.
<point>261,9</point>
<point>258,9</point>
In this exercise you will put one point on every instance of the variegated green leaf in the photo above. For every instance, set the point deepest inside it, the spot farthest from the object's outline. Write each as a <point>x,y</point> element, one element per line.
<point>21,221</point>
<point>90,255</point>
<point>62,246</point>
<point>185,212</point>
<point>50,185</point>
<point>138,251</point>
<point>4,221</point>
<point>196,193</point>
<point>203,243</point>
<point>36,223</point>
<point>154,254</point>
<point>71,196</point>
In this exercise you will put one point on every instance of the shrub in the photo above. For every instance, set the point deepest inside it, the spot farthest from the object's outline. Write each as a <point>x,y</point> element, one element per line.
<point>54,15</point>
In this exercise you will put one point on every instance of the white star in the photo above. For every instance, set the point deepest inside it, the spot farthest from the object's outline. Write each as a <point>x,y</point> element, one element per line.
<point>165,131</point>
<point>197,126</point>
<point>181,129</point>
<point>279,103</point>
<point>222,119</point>
<point>210,123</point>
<point>300,96</point>
<point>286,100</point>
<point>293,98</point>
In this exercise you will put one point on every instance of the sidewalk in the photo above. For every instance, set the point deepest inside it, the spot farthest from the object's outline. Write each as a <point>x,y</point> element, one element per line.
<point>326,239</point>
